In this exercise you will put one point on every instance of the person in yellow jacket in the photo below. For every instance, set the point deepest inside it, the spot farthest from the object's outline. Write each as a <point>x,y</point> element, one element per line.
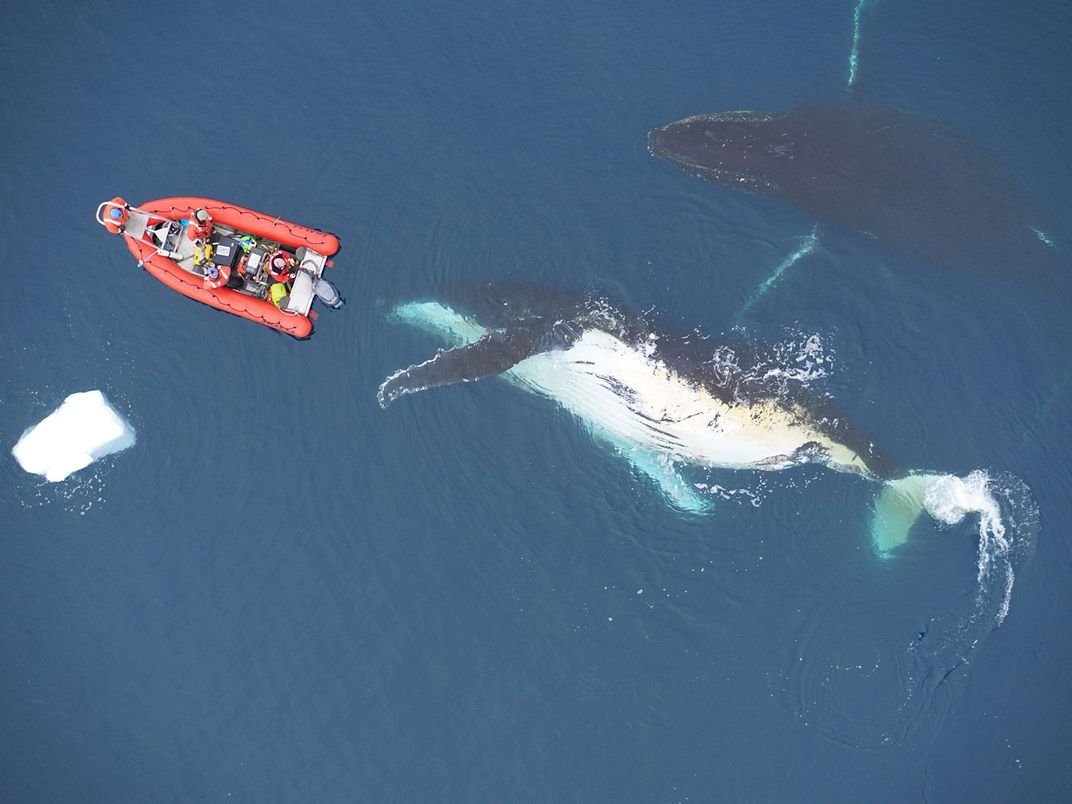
<point>280,295</point>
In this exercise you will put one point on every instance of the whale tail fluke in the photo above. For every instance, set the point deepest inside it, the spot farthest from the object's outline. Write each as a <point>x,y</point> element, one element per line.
<point>1008,525</point>
<point>897,508</point>
<point>999,502</point>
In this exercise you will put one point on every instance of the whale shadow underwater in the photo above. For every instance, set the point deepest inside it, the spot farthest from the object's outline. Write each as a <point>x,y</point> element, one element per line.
<point>912,184</point>
<point>664,401</point>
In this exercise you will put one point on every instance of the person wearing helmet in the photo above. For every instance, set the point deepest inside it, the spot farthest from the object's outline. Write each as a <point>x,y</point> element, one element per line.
<point>117,217</point>
<point>200,227</point>
<point>216,276</point>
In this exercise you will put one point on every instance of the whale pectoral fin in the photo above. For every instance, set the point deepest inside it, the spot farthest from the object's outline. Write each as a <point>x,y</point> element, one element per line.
<point>491,355</point>
<point>681,494</point>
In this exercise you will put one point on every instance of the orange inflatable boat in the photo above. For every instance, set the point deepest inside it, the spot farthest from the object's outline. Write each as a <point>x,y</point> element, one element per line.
<point>234,259</point>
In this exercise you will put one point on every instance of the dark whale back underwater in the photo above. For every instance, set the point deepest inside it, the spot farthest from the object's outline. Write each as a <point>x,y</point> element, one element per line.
<point>913,184</point>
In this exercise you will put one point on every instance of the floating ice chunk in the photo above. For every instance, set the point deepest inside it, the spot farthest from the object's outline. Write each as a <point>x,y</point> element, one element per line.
<point>81,430</point>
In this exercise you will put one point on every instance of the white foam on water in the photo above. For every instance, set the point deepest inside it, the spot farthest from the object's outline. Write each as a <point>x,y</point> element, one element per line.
<point>948,500</point>
<point>1041,235</point>
<point>82,430</point>
<point>797,362</point>
<point>910,688</point>
<point>753,498</point>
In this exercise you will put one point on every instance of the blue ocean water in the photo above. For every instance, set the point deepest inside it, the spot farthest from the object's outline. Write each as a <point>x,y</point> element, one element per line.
<point>285,593</point>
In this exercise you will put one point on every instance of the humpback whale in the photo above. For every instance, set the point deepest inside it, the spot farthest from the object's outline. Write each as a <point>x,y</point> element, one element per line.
<point>662,401</point>
<point>912,184</point>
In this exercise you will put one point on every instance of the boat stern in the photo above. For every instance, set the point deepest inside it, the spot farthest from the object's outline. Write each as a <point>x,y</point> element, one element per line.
<point>310,284</point>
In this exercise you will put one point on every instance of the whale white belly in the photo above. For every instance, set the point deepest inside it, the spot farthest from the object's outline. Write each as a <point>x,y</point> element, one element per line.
<point>623,393</point>
<point>625,396</point>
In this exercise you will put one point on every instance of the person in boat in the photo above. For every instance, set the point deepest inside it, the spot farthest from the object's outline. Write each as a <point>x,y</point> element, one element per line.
<point>117,219</point>
<point>200,227</point>
<point>279,293</point>
<point>281,266</point>
<point>216,276</point>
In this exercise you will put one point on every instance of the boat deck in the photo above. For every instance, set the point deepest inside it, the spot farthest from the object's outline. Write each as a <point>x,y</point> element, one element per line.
<point>172,242</point>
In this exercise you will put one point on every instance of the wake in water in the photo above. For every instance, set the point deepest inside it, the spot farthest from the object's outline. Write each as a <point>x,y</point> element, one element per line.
<point>1008,526</point>
<point>903,689</point>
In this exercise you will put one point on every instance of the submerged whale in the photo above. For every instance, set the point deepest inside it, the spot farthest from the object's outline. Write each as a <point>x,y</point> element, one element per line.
<point>913,184</point>
<point>662,401</point>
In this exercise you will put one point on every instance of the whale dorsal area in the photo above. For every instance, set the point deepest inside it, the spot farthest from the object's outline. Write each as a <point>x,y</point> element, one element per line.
<point>915,185</point>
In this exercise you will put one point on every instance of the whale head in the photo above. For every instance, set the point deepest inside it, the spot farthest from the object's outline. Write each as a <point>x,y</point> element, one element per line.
<point>747,150</point>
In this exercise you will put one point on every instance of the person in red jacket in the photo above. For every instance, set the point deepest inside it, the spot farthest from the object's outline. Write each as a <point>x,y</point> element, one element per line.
<point>200,227</point>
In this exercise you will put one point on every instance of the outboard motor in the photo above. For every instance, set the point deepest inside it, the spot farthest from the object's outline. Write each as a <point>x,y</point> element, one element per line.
<point>326,292</point>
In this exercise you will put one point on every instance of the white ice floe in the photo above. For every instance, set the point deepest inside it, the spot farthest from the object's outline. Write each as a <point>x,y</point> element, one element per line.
<point>81,430</point>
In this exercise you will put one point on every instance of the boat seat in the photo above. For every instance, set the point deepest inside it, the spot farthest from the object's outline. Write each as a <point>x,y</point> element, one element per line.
<point>169,235</point>
<point>311,266</point>
<point>301,293</point>
<point>137,224</point>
